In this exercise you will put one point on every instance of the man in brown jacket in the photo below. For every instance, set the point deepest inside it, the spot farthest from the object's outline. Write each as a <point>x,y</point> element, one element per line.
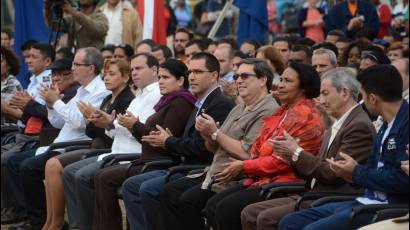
<point>352,133</point>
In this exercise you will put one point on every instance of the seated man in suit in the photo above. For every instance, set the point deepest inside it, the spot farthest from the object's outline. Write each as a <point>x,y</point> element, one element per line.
<point>352,133</point>
<point>381,176</point>
<point>141,192</point>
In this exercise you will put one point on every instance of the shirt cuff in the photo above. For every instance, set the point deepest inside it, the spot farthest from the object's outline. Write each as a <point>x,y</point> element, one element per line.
<point>58,105</point>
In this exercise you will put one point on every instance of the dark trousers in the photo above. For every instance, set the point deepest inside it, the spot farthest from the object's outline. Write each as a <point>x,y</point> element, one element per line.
<point>182,202</point>
<point>31,178</point>
<point>10,171</point>
<point>107,181</point>
<point>224,209</point>
<point>328,216</point>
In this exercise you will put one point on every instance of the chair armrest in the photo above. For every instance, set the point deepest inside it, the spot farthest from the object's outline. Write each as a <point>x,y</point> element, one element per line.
<point>373,208</point>
<point>284,191</point>
<point>115,158</point>
<point>389,214</point>
<point>317,195</point>
<point>157,164</point>
<point>94,152</point>
<point>331,199</point>
<point>69,143</point>
<point>77,147</point>
<point>266,188</point>
<point>183,169</point>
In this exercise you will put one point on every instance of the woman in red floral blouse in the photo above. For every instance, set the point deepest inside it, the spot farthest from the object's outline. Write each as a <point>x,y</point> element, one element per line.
<point>299,117</point>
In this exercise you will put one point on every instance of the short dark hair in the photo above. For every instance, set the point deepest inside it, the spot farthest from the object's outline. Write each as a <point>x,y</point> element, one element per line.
<point>261,69</point>
<point>305,41</point>
<point>255,43</point>
<point>11,60</point>
<point>283,39</point>
<point>167,51</point>
<point>149,42</point>
<point>309,79</point>
<point>345,40</point>
<point>28,44</point>
<point>109,47</point>
<point>46,50</point>
<point>302,48</point>
<point>8,32</point>
<point>66,52</point>
<point>178,69</point>
<point>184,30</point>
<point>229,41</point>
<point>211,63</point>
<point>151,60</point>
<point>199,42</point>
<point>128,50</point>
<point>326,45</point>
<point>337,33</point>
<point>361,44</point>
<point>240,54</point>
<point>383,80</point>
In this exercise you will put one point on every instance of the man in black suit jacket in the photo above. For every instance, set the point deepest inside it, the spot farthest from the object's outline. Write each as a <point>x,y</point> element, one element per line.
<point>190,149</point>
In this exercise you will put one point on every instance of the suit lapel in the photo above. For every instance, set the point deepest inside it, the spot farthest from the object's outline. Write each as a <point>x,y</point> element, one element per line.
<point>349,119</point>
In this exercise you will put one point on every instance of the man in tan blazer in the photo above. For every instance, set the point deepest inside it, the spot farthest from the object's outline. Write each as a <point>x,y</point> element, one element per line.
<point>125,26</point>
<point>352,133</point>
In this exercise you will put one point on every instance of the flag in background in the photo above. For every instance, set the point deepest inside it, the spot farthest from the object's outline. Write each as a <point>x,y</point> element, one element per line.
<point>28,24</point>
<point>153,20</point>
<point>253,20</point>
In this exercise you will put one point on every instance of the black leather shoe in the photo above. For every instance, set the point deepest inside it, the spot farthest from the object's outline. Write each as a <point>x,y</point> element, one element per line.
<point>10,216</point>
<point>26,226</point>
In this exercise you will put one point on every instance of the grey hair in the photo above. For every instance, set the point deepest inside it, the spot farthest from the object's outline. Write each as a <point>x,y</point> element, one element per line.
<point>330,53</point>
<point>344,77</point>
<point>94,57</point>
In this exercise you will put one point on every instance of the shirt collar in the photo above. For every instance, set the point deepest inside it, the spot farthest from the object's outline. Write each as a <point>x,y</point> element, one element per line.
<point>148,88</point>
<point>338,123</point>
<point>200,103</point>
<point>93,84</point>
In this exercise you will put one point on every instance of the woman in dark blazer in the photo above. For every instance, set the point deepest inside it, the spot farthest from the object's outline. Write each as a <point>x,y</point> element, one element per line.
<point>116,76</point>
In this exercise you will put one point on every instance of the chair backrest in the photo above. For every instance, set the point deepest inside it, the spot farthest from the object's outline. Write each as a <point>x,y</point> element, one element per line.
<point>47,135</point>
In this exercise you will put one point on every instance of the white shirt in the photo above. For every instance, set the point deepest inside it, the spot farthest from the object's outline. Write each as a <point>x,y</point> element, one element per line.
<point>142,107</point>
<point>114,34</point>
<point>337,125</point>
<point>69,118</point>
<point>36,83</point>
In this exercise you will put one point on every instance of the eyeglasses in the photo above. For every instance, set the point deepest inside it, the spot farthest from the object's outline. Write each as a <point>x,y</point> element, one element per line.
<point>75,64</point>
<point>197,72</point>
<point>243,76</point>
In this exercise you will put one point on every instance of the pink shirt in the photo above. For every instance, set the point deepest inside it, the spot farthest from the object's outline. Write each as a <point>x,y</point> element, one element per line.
<point>314,32</point>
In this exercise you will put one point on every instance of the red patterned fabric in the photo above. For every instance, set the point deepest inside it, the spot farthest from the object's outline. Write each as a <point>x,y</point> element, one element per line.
<point>303,121</point>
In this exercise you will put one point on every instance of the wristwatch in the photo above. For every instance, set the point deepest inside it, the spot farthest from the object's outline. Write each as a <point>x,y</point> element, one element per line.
<point>215,135</point>
<point>296,154</point>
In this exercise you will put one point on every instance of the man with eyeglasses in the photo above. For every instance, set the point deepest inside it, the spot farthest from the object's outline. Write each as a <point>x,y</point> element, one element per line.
<point>183,200</point>
<point>35,118</point>
<point>181,38</point>
<point>28,167</point>
<point>142,192</point>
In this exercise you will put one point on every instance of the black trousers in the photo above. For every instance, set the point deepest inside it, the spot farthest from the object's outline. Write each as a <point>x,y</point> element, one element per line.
<point>224,209</point>
<point>30,171</point>
<point>181,204</point>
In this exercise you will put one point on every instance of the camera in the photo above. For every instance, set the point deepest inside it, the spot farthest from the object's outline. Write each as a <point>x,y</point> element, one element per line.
<point>56,7</point>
